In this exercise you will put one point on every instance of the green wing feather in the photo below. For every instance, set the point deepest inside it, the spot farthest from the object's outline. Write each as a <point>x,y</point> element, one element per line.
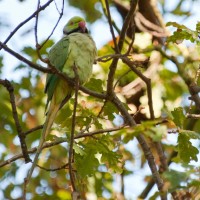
<point>57,58</point>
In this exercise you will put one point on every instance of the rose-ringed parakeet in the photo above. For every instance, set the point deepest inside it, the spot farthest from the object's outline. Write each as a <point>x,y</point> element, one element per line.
<point>75,49</point>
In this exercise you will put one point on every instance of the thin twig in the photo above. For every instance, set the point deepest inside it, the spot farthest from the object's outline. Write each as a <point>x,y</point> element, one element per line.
<point>158,145</point>
<point>124,74</point>
<point>36,34</point>
<point>106,58</point>
<point>147,82</point>
<point>65,166</point>
<point>23,59</point>
<point>33,129</point>
<point>116,48</point>
<point>24,22</point>
<point>147,151</point>
<point>127,22</point>
<point>60,141</point>
<point>38,46</point>
<point>21,134</point>
<point>60,16</point>
<point>113,65</point>
<point>101,131</point>
<point>36,27</point>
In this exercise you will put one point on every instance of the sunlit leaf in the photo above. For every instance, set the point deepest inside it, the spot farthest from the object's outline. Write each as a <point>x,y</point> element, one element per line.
<point>182,33</point>
<point>178,116</point>
<point>186,151</point>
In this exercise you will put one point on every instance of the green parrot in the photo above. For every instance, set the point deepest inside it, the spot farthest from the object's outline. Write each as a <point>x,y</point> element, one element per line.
<point>76,48</point>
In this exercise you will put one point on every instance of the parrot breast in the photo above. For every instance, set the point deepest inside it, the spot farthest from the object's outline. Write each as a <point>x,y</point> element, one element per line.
<point>81,53</point>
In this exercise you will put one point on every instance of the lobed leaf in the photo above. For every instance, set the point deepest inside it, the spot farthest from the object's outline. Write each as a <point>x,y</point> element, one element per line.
<point>178,116</point>
<point>186,151</point>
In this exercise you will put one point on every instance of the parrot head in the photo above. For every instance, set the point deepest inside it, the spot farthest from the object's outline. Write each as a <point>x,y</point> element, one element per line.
<point>75,24</point>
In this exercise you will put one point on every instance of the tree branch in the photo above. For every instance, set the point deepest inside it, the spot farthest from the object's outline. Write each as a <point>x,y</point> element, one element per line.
<point>147,151</point>
<point>147,82</point>
<point>40,46</point>
<point>21,134</point>
<point>24,60</point>
<point>116,48</point>
<point>59,141</point>
<point>113,65</point>
<point>24,22</point>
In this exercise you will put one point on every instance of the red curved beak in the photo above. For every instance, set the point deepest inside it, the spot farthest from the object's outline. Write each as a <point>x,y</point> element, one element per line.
<point>82,25</point>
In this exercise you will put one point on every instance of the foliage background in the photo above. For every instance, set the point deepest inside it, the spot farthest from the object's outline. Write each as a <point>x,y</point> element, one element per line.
<point>122,159</point>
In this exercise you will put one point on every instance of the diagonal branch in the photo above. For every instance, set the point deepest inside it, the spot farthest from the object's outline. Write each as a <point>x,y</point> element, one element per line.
<point>146,149</point>
<point>113,65</point>
<point>24,60</point>
<point>21,134</point>
<point>60,16</point>
<point>24,22</point>
<point>111,27</point>
<point>147,82</point>
<point>158,145</point>
<point>184,75</point>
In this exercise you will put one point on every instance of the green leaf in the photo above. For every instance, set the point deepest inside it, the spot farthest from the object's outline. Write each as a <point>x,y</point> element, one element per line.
<point>78,149</point>
<point>90,155</point>
<point>31,52</point>
<point>97,123</point>
<point>95,85</point>
<point>190,134</point>
<point>149,128</point>
<point>178,116</point>
<point>168,78</point>
<point>198,27</point>
<point>174,24</point>
<point>85,161</point>
<point>46,46</point>
<point>130,134</point>
<point>182,33</point>
<point>156,133</point>
<point>175,178</point>
<point>186,151</point>
<point>109,109</point>
<point>83,121</point>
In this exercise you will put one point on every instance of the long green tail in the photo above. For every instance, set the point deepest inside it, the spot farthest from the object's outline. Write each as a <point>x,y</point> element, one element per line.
<point>46,129</point>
